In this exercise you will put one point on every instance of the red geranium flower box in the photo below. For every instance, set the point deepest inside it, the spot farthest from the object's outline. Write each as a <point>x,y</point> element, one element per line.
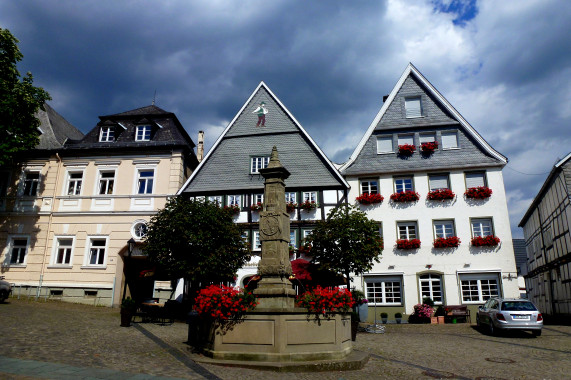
<point>428,147</point>
<point>290,207</point>
<point>257,206</point>
<point>440,195</point>
<point>449,242</point>
<point>485,241</point>
<point>232,209</point>
<point>405,196</point>
<point>408,244</point>
<point>308,206</point>
<point>480,192</point>
<point>407,149</point>
<point>369,199</point>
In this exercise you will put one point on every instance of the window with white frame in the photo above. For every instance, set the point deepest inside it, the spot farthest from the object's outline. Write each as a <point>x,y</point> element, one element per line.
<point>31,182</point>
<point>63,251</point>
<point>18,250</point>
<point>107,134</point>
<point>370,186</point>
<point>96,252</point>
<point>145,181</point>
<point>385,144</point>
<point>431,286</point>
<point>258,198</point>
<point>215,199</point>
<point>306,233</point>
<point>246,237</point>
<point>427,137</point>
<point>143,133</point>
<point>256,243</point>
<point>438,182</point>
<point>106,181</point>
<point>449,140</point>
<point>74,182</point>
<point>444,228</point>
<point>403,184</point>
<point>290,197</point>
<point>383,290</point>
<point>235,200</point>
<point>407,230</point>
<point>413,107</point>
<point>405,139</point>
<point>479,287</point>
<point>258,163</point>
<point>310,196</point>
<point>475,179</point>
<point>482,227</point>
<point>292,238</point>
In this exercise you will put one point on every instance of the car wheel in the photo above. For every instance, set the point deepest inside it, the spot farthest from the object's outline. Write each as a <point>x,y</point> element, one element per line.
<point>491,329</point>
<point>536,332</point>
<point>3,295</point>
<point>478,324</point>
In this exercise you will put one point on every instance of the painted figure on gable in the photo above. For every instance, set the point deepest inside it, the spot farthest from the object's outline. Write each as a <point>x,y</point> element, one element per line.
<point>261,111</point>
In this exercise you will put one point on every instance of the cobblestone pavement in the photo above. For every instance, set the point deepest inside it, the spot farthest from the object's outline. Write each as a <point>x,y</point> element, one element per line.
<point>78,337</point>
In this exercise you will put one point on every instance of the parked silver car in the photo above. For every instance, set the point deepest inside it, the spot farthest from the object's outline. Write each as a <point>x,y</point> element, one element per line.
<point>500,314</point>
<point>5,289</point>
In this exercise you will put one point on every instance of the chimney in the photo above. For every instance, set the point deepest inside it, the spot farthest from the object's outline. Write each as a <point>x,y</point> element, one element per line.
<point>200,147</point>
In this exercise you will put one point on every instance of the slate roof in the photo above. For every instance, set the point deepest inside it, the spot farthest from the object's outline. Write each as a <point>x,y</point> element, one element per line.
<point>226,167</point>
<point>520,254</point>
<point>55,129</point>
<point>167,131</point>
<point>438,116</point>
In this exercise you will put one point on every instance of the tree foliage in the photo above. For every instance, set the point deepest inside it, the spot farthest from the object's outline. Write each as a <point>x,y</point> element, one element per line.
<point>19,101</point>
<point>346,242</point>
<point>195,240</point>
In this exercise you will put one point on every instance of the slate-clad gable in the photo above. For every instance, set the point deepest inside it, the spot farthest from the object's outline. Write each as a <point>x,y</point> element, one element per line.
<point>55,129</point>
<point>227,167</point>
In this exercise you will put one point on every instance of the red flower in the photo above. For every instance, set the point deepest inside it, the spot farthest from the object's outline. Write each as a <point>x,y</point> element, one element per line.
<point>290,207</point>
<point>308,206</point>
<point>405,196</point>
<point>440,195</point>
<point>257,206</point>
<point>485,241</point>
<point>323,301</point>
<point>406,149</point>
<point>429,147</point>
<point>408,244</point>
<point>369,199</point>
<point>223,303</point>
<point>452,241</point>
<point>480,192</point>
<point>232,209</point>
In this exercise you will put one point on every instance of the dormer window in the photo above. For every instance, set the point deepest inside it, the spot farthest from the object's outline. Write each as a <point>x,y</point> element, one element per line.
<point>413,107</point>
<point>143,133</point>
<point>107,134</point>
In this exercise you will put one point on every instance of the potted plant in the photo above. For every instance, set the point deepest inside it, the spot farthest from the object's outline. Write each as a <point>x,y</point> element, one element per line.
<point>405,196</point>
<point>324,301</point>
<point>369,199</point>
<point>232,209</point>
<point>290,207</point>
<point>308,205</point>
<point>427,148</point>
<point>408,243</point>
<point>406,150</point>
<point>128,307</point>
<point>439,314</point>
<point>485,241</point>
<point>440,195</point>
<point>449,242</point>
<point>361,305</point>
<point>257,206</point>
<point>398,317</point>
<point>384,317</point>
<point>480,192</point>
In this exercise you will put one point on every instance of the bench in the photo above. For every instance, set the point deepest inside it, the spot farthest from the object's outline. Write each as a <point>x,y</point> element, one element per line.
<point>458,311</point>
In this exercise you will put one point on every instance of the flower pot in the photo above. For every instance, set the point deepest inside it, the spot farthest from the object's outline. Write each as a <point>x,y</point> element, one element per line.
<point>126,317</point>
<point>398,320</point>
<point>440,320</point>
<point>384,320</point>
<point>434,320</point>
<point>363,311</point>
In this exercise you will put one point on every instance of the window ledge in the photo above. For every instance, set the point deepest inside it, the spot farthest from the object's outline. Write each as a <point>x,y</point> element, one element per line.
<point>102,267</point>
<point>17,265</point>
<point>458,148</point>
<point>379,153</point>
<point>56,266</point>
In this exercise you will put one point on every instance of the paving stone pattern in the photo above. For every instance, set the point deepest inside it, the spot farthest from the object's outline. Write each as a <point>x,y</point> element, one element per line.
<point>70,341</point>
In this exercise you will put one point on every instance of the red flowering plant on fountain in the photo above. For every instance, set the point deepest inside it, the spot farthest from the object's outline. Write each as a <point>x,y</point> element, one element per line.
<point>369,199</point>
<point>480,192</point>
<point>428,148</point>
<point>222,303</point>
<point>405,196</point>
<point>440,195</point>
<point>324,301</point>
<point>407,149</point>
<point>485,241</point>
<point>449,242</point>
<point>408,243</point>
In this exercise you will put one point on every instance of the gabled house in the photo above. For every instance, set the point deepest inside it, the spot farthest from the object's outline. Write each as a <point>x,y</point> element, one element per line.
<point>229,174</point>
<point>71,212</point>
<point>548,243</point>
<point>422,157</point>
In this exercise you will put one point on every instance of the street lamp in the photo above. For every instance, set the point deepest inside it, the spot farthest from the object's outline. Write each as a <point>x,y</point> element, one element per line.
<point>131,246</point>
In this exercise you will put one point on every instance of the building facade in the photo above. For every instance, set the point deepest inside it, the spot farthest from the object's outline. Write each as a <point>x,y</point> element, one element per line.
<point>69,213</point>
<point>229,173</point>
<point>548,243</point>
<point>422,156</point>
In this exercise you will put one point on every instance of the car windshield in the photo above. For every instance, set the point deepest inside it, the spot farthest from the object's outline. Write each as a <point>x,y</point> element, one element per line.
<point>518,306</point>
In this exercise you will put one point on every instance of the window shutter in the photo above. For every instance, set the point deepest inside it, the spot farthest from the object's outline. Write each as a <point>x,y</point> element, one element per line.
<point>384,144</point>
<point>449,140</point>
<point>406,139</point>
<point>427,137</point>
<point>438,182</point>
<point>413,107</point>
<point>474,179</point>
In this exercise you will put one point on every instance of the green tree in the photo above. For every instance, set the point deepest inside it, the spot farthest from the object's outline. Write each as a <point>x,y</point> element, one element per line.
<point>346,242</point>
<point>19,101</point>
<point>197,241</point>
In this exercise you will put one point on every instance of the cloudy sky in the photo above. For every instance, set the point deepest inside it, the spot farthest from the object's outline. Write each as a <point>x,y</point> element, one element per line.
<point>504,65</point>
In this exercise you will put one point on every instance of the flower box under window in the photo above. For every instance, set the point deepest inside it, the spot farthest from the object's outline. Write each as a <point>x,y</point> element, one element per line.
<point>440,195</point>
<point>405,196</point>
<point>257,206</point>
<point>369,199</point>
<point>308,205</point>
<point>408,243</point>
<point>232,209</point>
<point>480,192</point>
<point>428,148</point>
<point>290,207</point>
<point>485,241</point>
<point>449,242</point>
<point>407,149</point>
